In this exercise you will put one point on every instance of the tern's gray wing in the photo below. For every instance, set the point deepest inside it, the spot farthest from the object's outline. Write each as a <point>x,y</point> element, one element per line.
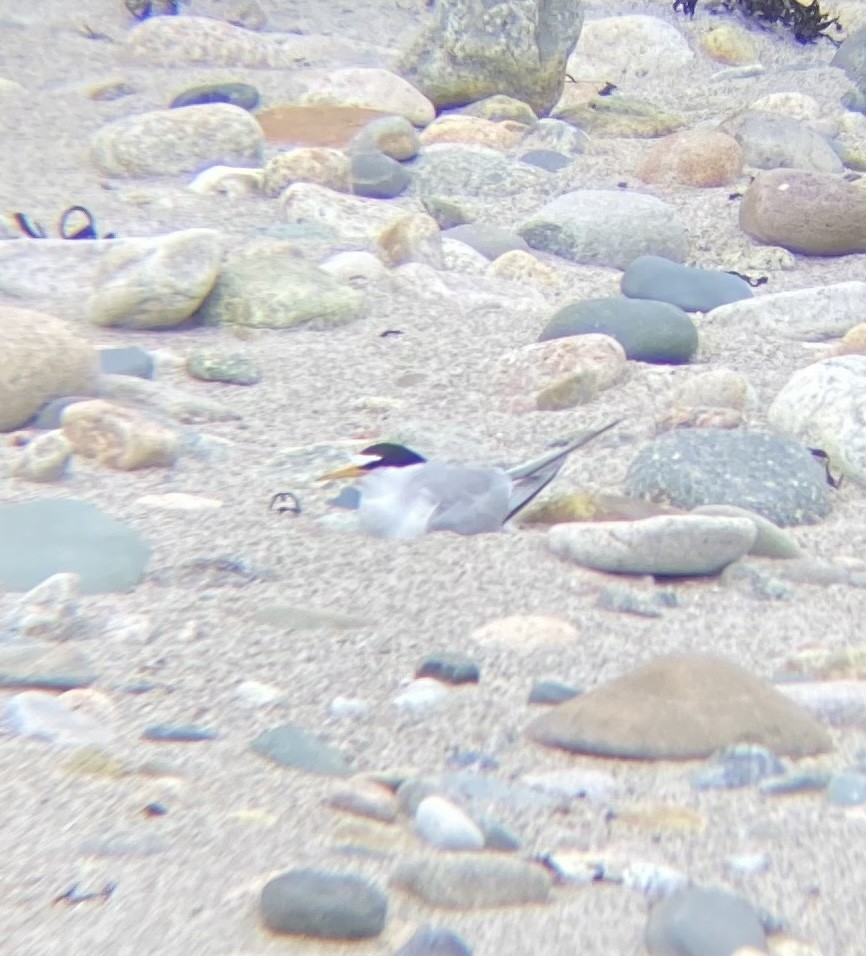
<point>407,502</point>
<point>533,476</point>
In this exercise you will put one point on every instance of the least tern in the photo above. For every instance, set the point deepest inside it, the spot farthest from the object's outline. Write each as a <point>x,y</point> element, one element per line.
<point>402,495</point>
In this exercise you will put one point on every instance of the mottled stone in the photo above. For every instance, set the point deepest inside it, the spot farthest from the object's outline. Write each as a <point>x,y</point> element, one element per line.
<point>307,164</point>
<point>766,473</point>
<point>167,142</point>
<point>412,238</point>
<point>45,458</point>
<point>636,46</point>
<point>626,116</point>
<point>459,56</point>
<point>499,107</point>
<point>474,130</point>
<point>118,437</point>
<point>476,172</point>
<point>393,136</point>
<point>237,94</point>
<point>810,213</point>
<point>702,158</point>
<point>730,45</point>
<point>680,707</point>
<point>371,88</point>
<point>555,135</point>
<point>232,368</point>
<point>43,358</point>
<point>155,283</point>
<point>324,905</point>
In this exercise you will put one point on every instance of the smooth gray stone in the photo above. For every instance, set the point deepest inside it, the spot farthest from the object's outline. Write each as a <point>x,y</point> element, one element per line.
<point>450,668</point>
<point>292,746</point>
<point>773,142</point>
<point>772,541</point>
<point>689,288</point>
<point>434,942</point>
<point>548,159</point>
<point>490,241</point>
<point>772,475</point>
<point>851,57</point>
<point>238,94</point>
<point>648,331</point>
<point>703,921</point>
<point>377,176</point>
<point>50,535</point>
<point>130,360</point>
<point>457,169</point>
<point>325,905</point>
<point>178,733</point>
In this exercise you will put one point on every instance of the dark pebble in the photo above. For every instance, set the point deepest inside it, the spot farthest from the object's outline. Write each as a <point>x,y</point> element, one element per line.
<point>324,905</point>
<point>551,692</point>
<point>450,668</point>
<point>377,176</point>
<point>742,765</point>
<point>805,781</point>
<point>237,94</point>
<point>689,288</point>
<point>548,159</point>
<point>178,733</point>
<point>648,331</point>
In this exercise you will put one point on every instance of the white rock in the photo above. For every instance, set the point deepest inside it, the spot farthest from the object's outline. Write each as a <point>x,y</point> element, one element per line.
<point>422,696</point>
<point>231,181</point>
<point>824,406</point>
<point>375,89</point>
<point>354,267</point>
<point>443,824</point>
<point>668,544</point>
<point>58,720</point>
<point>48,612</point>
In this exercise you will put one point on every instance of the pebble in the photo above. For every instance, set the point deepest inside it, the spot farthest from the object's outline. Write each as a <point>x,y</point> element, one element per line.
<point>43,666</point>
<point>377,176</point>
<point>45,458</point>
<point>468,881</point>
<point>154,283</point>
<point>348,708</point>
<point>847,789</point>
<point>321,165</point>
<point>267,290</point>
<point>44,358</point>
<point>324,125</point>
<point>237,94</point>
<point>823,405</point>
<point>525,632</point>
<point>597,786</point>
<point>366,798</point>
<point>422,696</point>
<point>771,141</point>
<point>814,214</point>
<point>47,536</point>
<point>606,228</point>
<point>763,472</point>
<point>771,542</point>
<point>443,824</point>
<point>748,864</point>
<point>622,115</point>
<point>730,45</point>
<point>371,88</point>
<point>811,314</point>
<point>456,170</point>
<point>449,668</point>
<point>49,611</point>
<point>57,720</point>
<point>414,238</point>
<point>551,692</point>
<point>490,241</point>
<point>460,57</point>
<point>679,707</point>
<point>804,781</point>
<point>118,437</point>
<point>687,287</point>
<point>292,746</point>
<point>434,942</point>
<point>127,360</point>
<point>648,331</point>
<point>253,693</point>
<point>558,374</point>
<point>231,368</point>
<point>356,268</point>
<point>460,128</point>
<point>231,182</point>
<point>322,904</point>
<point>178,733</point>
<point>168,142</point>
<point>742,765</point>
<point>703,921</point>
<point>555,136</point>
<point>547,159</point>
<point>394,136</point>
<point>699,158</point>
<point>664,545</point>
<point>499,108</point>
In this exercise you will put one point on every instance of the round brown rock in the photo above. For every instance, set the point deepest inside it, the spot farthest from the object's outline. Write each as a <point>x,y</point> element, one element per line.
<point>694,158</point>
<point>817,214</point>
<point>43,358</point>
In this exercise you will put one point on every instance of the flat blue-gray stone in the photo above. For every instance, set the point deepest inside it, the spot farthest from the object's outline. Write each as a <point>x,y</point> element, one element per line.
<point>292,746</point>
<point>450,668</point>
<point>129,360</point>
<point>434,942</point>
<point>237,94</point>
<point>766,473</point>
<point>548,159</point>
<point>490,241</point>
<point>51,535</point>
<point>178,733</point>
<point>689,288</point>
<point>648,331</point>
<point>322,904</point>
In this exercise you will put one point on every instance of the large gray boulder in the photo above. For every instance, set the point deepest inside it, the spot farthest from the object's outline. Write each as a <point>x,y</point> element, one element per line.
<point>477,48</point>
